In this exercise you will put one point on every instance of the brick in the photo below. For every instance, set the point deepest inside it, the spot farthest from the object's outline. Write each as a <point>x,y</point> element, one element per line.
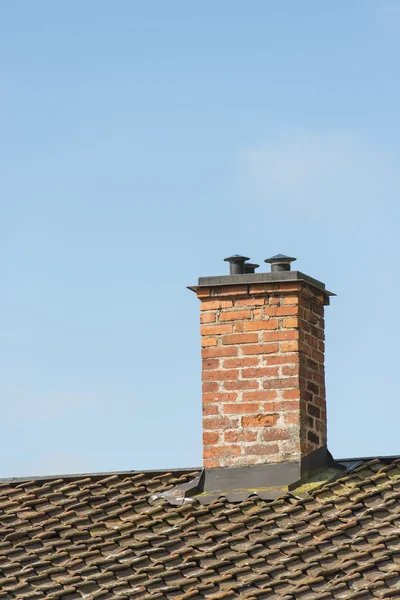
<point>254,373</point>
<point>261,449</point>
<point>210,463</point>
<point>219,397</point>
<point>216,329</point>
<point>203,292</point>
<point>274,434</point>
<point>291,322</point>
<point>235,315</point>
<point>239,338</point>
<point>249,302</point>
<point>281,405</point>
<point>292,346</point>
<point>210,438</point>
<point>280,359</point>
<point>234,363</point>
<point>261,349</point>
<point>219,423</point>
<point>215,304</point>
<point>259,421</point>
<point>281,383</point>
<point>259,396</point>
<point>257,313</point>
<point>221,351</point>
<point>210,387</point>
<point>283,311</point>
<point>232,290</point>
<point>210,409</point>
<point>226,451</point>
<point>290,370</point>
<point>291,418</point>
<point>208,317</point>
<point>227,374</point>
<point>291,300</point>
<point>247,384</point>
<point>210,363</point>
<point>291,394</point>
<point>208,341</point>
<point>238,326</point>
<point>240,408</point>
<point>261,325</point>
<point>274,301</point>
<point>242,435</point>
<point>279,336</point>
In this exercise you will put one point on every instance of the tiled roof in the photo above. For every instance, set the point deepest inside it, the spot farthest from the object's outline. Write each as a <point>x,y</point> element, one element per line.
<point>113,536</point>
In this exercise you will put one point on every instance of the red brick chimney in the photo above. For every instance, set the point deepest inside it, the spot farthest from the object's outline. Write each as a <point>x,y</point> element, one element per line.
<point>262,337</point>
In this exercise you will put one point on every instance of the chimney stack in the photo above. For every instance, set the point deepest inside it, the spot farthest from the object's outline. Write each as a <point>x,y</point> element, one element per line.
<point>262,338</point>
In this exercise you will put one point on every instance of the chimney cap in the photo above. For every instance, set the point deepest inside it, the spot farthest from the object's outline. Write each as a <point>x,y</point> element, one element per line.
<point>280,262</point>
<point>236,258</point>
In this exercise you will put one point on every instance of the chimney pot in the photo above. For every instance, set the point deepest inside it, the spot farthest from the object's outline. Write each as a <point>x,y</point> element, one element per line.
<point>236,264</point>
<point>280,262</point>
<point>250,267</point>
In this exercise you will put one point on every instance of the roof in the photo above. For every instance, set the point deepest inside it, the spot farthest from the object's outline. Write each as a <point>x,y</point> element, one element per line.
<point>112,536</point>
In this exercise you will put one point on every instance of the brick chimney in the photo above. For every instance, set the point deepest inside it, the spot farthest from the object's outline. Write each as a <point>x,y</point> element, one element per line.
<point>262,338</point>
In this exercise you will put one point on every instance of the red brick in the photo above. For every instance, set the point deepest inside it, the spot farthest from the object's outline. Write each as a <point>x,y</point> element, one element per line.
<point>281,383</point>
<point>240,338</point>
<point>262,372</point>
<point>215,304</point>
<point>210,438</point>
<point>290,369</point>
<point>291,346</point>
<point>238,326</point>
<point>233,290</point>
<point>203,292</point>
<point>208,341</point>
<point>291,322</point>
<point>241,435</point>
<point>210,409</point>
<point>259,396</point>
<point>282,405</point>
<point>241,385</point>
<point>210,363</point>
<point>259,421</point>
<point>220,397</point>
<point>292,418</point>
<point>261,449</point>
<point>227,374</point>
<point>291,394</point>
<point>220,351</point>
<point>261,349</point>
<point>278,336</point>
<point>207,317</point>
<point>240,408</point>
<point>283,311</point>
<point>291,300</point>
<point>274,433</point>
<point>219,423</point>
<point>210,463</point>
<point>281,360</point>
<point>261,325</point>
<point>234,363</point>
<point>226,451</point>
<point>235,315</point>
<point>216,329</point>
<point>249,302</point>
<point>210,387</point>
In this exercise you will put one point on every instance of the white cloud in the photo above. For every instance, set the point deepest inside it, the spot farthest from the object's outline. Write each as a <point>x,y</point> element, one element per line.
<point>334,174</point>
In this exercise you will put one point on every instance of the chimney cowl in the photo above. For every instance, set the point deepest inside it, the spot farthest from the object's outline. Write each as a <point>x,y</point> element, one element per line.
<point>280,262</point>
<point>236,264</point>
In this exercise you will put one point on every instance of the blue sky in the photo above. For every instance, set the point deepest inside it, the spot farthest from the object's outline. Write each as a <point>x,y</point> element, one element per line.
<point>140,144</point>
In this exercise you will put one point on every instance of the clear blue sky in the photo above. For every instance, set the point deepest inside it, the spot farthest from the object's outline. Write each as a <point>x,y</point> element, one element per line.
<point>140,144</point>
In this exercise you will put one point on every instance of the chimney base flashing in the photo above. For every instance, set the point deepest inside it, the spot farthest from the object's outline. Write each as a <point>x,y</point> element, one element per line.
<point>268,481</point>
